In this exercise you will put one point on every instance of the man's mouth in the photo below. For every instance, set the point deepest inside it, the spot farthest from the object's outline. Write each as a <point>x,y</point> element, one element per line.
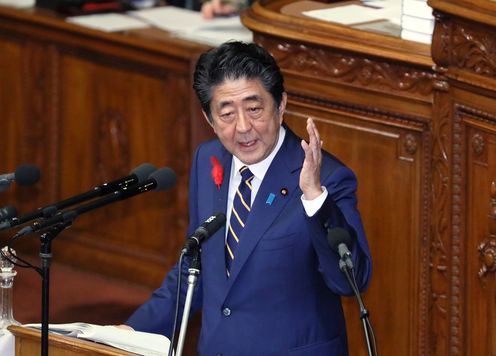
<point>247,144</point>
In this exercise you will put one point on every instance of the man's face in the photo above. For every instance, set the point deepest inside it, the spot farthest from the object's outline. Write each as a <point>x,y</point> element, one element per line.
<point>245,118</point>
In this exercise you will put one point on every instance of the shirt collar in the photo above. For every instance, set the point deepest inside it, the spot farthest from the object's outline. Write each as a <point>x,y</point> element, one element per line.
<point>259,169</point>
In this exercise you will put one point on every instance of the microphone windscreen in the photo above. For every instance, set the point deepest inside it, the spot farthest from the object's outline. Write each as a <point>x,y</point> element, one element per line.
<point>8,212</point>
<point>143,171</point>
<point>216,224</point>
<point>337,236</point>
<point>27,174</point>
<point>164,177</point>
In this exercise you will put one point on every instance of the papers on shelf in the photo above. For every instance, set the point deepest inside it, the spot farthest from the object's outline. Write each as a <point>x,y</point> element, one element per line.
<point>133,341</point>
<point>180,22</point>
<point>17,3</point>
<point>108,22</point>
<point>191,25</point>
<point>357,14</point>
<point>347,14</point>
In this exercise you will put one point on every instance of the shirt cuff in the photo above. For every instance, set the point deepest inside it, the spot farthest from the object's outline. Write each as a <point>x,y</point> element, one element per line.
<point>312,206</point>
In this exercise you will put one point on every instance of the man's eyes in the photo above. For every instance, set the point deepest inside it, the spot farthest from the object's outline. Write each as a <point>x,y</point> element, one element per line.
<point>253,112</point>
<point>227,116</point>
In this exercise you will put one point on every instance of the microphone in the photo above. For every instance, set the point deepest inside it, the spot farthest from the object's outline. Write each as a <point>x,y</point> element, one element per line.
<point>160,180</point>
<point>339,239</point>
<point>203,232</point>
<point>137,175</point>
<point>25,174</point>
<point>8,212</point>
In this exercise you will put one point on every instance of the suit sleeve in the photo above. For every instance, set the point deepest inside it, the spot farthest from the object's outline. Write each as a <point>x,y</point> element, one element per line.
<point>339,210</point>
<point>156,315</point>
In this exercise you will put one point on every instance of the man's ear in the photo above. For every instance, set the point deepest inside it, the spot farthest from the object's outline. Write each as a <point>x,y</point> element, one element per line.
<point>282,106</point>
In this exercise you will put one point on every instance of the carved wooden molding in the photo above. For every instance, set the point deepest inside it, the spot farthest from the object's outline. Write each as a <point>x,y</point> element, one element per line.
<point>464,45</point>
<point>410,144</point>
<point>458,180</point>
<point>371,114</point>
<point>425,253</point>
<point>339,66</point>
<point>440,47</point>
<point>440,237</point>
<point>477,114</point>
<point>487,254</point>
<point>478,144</point>
<point>487,248</point>
<point>474,49</point>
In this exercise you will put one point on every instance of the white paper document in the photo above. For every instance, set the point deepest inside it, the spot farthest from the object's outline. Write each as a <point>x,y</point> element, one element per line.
<point>108,22</point>
<point>141,343</point>
<point>191,25</point>
<point>17,3</point>
<point>348,14</point>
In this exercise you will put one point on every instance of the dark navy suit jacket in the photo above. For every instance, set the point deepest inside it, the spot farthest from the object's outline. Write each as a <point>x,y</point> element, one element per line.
<point>283,296</point>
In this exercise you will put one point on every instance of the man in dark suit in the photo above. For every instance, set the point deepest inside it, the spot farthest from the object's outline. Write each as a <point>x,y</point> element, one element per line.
<point>270,283</point>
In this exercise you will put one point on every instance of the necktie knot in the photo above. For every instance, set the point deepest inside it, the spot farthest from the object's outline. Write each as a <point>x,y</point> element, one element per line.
<point>246,175</point>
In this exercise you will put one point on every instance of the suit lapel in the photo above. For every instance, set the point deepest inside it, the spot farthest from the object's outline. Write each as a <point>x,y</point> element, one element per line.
<point>214,248</point>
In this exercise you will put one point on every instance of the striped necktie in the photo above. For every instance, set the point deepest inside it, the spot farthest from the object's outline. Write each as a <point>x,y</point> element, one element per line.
<point>239,215</point>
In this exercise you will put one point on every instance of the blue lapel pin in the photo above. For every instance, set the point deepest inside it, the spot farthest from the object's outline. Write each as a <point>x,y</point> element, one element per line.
<point>270,199</point>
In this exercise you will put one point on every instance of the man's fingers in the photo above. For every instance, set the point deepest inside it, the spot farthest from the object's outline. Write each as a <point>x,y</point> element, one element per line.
<point>310,158</point>
<point>214,8</point>
<point>314,140</point>
<point>308,150</point>
<point>207,10</point>
<point>217,7</point>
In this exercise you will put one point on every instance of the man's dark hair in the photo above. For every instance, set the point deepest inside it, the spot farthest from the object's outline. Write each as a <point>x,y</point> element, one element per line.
<point>235,60</point>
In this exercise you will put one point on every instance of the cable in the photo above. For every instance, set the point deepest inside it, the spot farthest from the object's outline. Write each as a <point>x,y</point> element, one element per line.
<point>25,264</point>
<point>178,295</point>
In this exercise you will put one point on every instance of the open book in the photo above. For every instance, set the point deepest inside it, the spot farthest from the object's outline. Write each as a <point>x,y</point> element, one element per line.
<point>133,341</point>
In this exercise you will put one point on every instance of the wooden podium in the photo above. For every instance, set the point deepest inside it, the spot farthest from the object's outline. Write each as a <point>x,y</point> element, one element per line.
<point>28,343</point>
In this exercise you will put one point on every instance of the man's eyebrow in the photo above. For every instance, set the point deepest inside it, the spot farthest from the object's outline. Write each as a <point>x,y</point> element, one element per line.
<point>254,97</point>
<point>225,103</point>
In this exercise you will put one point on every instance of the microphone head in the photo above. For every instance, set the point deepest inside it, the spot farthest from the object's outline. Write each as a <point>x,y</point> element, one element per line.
<point>337,236</point>
<point>164,177</point>
<point>143,171</point>
<point>8,212</point>
<point>214,223</point>
<point>27,174</point>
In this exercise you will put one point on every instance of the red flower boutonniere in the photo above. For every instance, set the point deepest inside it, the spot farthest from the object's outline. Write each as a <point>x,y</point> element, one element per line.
<point>217,171</point>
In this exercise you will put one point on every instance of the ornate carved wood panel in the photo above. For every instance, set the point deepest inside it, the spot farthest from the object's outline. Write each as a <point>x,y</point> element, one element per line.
<point>480,240</point>
<point>464,51</point>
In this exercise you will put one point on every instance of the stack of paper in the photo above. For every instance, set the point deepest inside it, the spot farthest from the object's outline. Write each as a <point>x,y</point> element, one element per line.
<point>17,3</point>
<point>374,15</point>
<point>417,21</point>
<point>108,22</point>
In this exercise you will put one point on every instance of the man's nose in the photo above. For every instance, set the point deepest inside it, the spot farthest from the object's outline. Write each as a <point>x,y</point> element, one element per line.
<point>243,123</point>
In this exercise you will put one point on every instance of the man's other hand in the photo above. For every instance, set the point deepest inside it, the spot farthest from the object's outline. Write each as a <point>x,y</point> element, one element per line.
<point>214,8</point>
